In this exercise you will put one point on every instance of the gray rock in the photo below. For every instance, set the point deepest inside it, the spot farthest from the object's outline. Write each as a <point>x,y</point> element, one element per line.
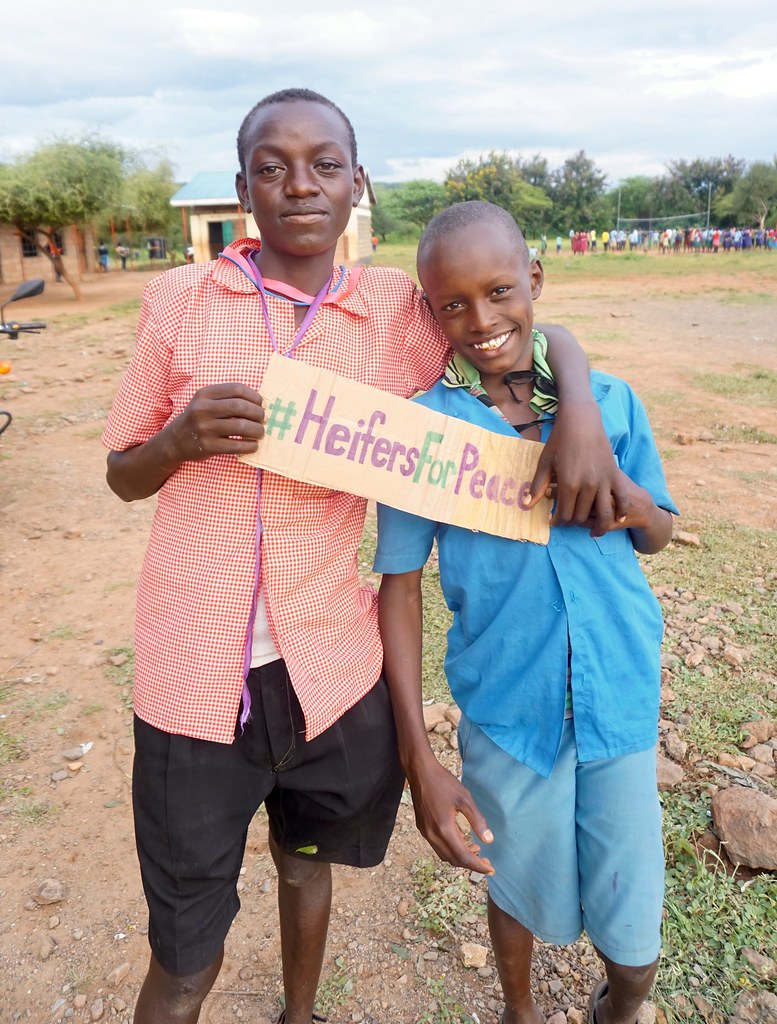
<point>746,822</point>
<point>754,1007</point>
<point>49,891</point>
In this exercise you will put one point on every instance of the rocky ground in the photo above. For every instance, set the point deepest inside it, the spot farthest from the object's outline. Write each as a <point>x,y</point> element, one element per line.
<point>408,940</point>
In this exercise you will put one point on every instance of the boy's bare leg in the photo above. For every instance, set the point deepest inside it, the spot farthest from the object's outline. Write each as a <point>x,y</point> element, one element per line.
<point>628,988</point>
<point>512,951</point>
<point>165,999</point>
<point>304,902</point>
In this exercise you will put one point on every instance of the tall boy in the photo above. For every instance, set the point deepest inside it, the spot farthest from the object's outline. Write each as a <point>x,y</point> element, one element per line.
<point>553,652</point>
<point>258,657</point>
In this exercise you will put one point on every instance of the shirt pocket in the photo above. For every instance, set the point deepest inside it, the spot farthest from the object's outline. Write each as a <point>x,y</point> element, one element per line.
<point>615,544</point>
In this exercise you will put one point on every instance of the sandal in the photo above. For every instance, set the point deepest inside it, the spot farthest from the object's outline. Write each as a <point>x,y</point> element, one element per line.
<point>599,992</point>
<point>317,1018</point>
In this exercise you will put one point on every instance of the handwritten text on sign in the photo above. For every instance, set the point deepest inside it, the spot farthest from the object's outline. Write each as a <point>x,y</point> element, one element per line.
<point>327,430</point>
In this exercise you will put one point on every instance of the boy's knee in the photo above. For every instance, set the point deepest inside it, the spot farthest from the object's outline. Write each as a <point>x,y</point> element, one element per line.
<point>632,976</point>
<point>296,872</point>
<point>179,998</point>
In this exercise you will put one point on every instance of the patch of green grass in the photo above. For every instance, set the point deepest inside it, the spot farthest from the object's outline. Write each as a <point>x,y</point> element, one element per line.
<point>91,709</point>
<point>443,1009</point>
<point>597,357</point>
<point>755,386</point>
<point>736,298</point>
<point>32,812</point>
<point>36,704</point>
<point>709,918</point>
<point>123,675</point>
<point>62,631</point>
<point>334,990</point>
<point>726,569</point>
<point>437,621</point>
<point>743,433</point>
<point>667,454</point>
<point>12,747</point>
<point>444,896</point>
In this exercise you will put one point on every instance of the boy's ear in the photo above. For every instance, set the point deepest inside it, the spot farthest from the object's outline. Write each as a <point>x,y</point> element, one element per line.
<point>359,184</point>
<point>242,191</point>
<point>537,275</point>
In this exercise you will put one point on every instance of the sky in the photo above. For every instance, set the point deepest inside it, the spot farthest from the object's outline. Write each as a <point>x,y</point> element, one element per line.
<point>634,84</point>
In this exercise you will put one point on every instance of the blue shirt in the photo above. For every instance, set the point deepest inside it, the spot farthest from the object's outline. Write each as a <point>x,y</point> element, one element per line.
<point>517,607</point>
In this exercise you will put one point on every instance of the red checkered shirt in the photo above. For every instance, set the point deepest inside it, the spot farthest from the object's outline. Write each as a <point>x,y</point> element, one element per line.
<point>202,324</point>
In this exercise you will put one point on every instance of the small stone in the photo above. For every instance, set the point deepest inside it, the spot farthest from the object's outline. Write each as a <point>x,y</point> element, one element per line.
<point>49,891</point>
<point>676,747</point>
<point>688,539</point>
<point>472,954</point>
<point>119,1005</point>
<point>46,948</point>
<point>763,966</point>
<point>762,752</point>
<point>60,775</point>
<point>117,660</point>
<point>434,714</point>
<point>80,1001</point>
<point>117,975</point>
<point>97,1009</point>
<point>559,1017</point>
<point>58,1005</point>
<point>733,656</point>
<point>669,773</point>
<point>403,907</point>
<point>246,973</point>
<point>53,921</point>
<point>576,1016</point>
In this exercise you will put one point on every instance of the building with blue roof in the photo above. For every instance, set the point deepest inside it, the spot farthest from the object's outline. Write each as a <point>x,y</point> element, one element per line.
<point>213,218</point>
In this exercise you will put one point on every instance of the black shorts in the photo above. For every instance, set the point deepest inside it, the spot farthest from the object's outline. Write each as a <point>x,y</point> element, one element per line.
<point>333,799</point>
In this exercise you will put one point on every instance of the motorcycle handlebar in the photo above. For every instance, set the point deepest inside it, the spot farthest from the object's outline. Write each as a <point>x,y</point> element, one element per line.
<point>17,326</point>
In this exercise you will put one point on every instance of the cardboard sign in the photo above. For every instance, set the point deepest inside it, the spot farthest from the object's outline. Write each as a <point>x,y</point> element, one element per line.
<point>324,429</point>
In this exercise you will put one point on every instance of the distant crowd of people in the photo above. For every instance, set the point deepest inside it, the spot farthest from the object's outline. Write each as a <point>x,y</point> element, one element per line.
<point>681,239</point>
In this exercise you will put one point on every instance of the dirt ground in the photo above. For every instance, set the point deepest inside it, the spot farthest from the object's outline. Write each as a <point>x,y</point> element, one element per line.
<point>71,552</point>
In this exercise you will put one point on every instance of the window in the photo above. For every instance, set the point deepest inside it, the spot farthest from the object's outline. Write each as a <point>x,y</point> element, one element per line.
<point>29,243</point>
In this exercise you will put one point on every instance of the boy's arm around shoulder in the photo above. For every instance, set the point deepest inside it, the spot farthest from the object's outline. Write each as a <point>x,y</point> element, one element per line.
<point>648,512</point>
<point>437,795</point>
<point>577,456</point>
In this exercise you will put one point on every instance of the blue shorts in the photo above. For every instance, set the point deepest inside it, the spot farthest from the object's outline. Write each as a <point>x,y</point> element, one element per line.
<point>580,850</point>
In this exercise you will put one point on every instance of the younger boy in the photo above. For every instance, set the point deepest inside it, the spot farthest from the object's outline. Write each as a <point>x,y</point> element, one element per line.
<point>553,653</point>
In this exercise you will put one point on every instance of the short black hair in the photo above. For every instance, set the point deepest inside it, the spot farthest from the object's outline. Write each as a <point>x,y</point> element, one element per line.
<point>462,215</point>
<point>293,96</point>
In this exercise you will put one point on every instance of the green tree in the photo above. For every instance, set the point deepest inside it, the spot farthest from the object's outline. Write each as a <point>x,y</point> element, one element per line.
<point>497,178</point>
<point>577,190</point>
<point>754,196</point>
<point>706,181</point>
<point>418,201</point>
<point>59,184</point>
<point>146,197</point>
<point>385,215</point>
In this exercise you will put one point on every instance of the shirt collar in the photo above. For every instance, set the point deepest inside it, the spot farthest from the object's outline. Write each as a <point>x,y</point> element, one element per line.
<point>236,278</point>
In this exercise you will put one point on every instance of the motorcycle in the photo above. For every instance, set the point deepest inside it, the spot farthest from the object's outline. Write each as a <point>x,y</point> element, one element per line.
<point>13,328</point>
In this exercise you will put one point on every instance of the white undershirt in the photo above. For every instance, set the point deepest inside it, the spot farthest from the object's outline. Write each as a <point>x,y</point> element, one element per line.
<point>263,650</point>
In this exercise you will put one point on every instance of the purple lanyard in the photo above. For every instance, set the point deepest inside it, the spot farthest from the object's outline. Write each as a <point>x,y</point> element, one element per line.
<point>307,319</point>
<point>306,322</point>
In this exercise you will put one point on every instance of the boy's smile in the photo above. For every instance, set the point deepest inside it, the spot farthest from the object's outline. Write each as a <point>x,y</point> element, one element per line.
<point>481,287</point>
<point>300,184</point>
